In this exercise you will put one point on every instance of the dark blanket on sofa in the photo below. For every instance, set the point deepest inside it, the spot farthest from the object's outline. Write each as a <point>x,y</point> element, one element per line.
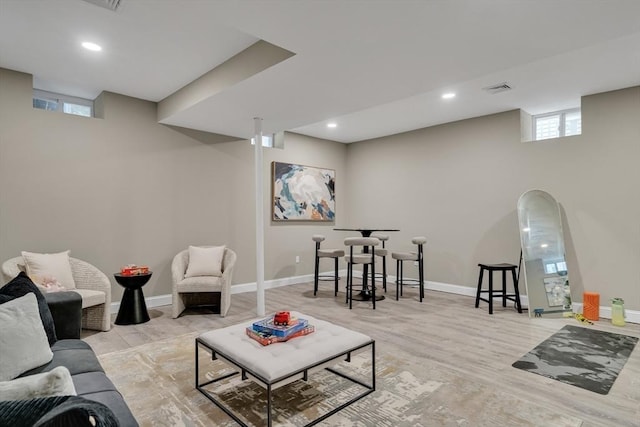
<point>58,411</point>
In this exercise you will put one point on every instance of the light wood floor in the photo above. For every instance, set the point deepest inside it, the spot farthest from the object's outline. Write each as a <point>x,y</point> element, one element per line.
<point>445,331</point>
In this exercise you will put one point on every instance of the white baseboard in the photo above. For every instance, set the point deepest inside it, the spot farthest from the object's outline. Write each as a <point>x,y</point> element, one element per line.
<point>631,316</point>
<point>160,300</point>
<point>157,301</point>
<point>275,283</point>
<point>461,290</point>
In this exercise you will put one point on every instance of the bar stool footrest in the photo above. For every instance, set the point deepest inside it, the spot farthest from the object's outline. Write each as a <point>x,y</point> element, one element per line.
<point>328,278</point>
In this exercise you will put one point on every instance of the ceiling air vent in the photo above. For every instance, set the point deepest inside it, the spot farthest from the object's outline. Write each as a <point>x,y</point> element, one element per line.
<point>107,4</point>
<point>500,87</point>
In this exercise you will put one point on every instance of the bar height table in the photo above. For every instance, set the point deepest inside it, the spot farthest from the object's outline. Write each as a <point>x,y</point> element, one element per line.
<point>366,232</point>
<point>365,293</point>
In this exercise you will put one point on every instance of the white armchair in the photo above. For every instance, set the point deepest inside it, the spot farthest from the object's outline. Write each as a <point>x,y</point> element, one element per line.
<point>92,284</point>
<point>196,290</point>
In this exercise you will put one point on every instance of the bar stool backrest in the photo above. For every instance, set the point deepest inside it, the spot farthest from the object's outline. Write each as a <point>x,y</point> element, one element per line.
<point>382,237</point>
<point>326,254</point>
<point>367,256</point>
<point>419,240</point>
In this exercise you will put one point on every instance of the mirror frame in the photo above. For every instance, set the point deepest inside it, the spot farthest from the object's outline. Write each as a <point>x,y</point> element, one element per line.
<point>543,263</point>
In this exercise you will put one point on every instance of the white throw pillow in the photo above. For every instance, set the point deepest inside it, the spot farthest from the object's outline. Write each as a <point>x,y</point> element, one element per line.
<point>23,341</point>
<point>205,261</point>
<point>56,382</point>
<point>47,265</point>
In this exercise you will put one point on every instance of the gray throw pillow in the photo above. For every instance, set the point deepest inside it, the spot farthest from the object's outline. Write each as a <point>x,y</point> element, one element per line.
<point>23,342</point>
<point>22,285</point>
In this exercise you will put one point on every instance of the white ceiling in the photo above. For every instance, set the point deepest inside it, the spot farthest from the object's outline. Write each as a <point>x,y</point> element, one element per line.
<point>375,67</point>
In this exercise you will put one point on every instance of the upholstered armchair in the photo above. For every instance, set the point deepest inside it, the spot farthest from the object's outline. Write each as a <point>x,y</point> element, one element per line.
<point>197,290</point>
<point>92,284</point>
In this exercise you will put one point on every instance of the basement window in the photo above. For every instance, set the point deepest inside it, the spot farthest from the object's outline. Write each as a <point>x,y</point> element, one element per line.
<point>267,141</point>
<point>557,124</point>
<point>50,101</point>
<point>274,140</point>
<point>555,267</point>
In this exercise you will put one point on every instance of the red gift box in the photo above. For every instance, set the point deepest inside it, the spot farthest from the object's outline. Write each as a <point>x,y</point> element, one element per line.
<point>133,270</point>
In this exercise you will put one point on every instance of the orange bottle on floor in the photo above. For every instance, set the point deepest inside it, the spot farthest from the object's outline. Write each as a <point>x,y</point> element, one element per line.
<point>591,305</point>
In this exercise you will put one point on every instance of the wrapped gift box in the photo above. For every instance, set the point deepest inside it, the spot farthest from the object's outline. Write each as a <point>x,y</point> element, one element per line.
<point>133,270</point>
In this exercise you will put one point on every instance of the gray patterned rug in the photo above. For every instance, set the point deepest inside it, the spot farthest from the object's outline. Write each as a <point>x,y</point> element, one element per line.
<point>157,381</point>
<point>582,357</point>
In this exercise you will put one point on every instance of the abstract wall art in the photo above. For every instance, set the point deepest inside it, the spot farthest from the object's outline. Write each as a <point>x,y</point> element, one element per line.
<point>302,193</point>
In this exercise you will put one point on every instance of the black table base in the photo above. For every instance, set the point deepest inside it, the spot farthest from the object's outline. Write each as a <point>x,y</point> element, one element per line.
<point>133,309</point>
<point>366,296</point>
<point>365,293</point>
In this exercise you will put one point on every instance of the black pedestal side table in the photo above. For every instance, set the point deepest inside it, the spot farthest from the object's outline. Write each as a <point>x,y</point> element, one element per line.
<point>133,309</point>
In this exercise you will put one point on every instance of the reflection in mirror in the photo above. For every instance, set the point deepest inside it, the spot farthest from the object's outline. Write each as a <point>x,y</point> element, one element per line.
<point>544,264</point>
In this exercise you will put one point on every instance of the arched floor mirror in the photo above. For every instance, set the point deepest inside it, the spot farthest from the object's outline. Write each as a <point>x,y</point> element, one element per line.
<point>544,266</point>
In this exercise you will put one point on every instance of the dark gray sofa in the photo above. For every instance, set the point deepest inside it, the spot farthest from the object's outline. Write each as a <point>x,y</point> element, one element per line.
<point>69,351</point>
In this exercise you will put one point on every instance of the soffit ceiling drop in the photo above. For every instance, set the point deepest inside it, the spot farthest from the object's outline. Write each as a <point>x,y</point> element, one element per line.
<point>374,68</point>
<point>107,4</point>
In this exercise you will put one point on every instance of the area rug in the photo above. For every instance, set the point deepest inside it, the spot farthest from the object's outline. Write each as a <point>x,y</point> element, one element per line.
<point>157,381</point>
<point>582,357</point>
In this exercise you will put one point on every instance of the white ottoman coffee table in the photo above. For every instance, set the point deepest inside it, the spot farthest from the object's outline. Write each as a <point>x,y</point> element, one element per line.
<point>278,364</point>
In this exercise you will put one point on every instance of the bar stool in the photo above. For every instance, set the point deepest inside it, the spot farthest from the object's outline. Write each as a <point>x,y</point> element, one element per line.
<point>325,253</point>
<point>501,293</point>
<point>400,257</point>
<point>365,258</point>
<point>382,253</point>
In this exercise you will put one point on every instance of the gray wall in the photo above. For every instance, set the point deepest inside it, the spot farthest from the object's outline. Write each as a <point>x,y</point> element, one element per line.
<point>458,184</point>
<point>125,189</point>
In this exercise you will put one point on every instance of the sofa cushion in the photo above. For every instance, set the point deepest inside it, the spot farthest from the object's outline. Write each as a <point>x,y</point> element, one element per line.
<point>76,355</point>
<point>56,265</point>
<point>70,345</point>
<point>200,284</point>
<point>23,341</point>
<point>88,377</point>
<point>91,297</point>
<point>97,386</point>
<point>114,401</point>
<point>56,382</point>
<point>92,382</point>
<point>22,285</point>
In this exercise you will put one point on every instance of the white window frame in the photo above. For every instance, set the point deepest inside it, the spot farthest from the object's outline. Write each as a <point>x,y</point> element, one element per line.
<point>63,99</point>
<point>273,140</point>
<point>562,125</point>
<point>267,141</point>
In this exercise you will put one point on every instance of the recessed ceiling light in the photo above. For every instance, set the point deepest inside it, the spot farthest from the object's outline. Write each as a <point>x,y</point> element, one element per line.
<point>91,46</point>
<point>448,95</point>
<point>332,125</point>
